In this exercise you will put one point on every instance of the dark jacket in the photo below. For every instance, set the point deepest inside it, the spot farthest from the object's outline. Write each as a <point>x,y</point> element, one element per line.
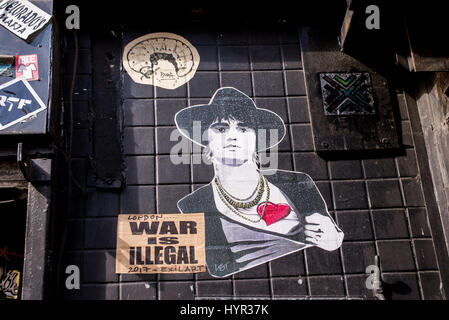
<point>298,187</point>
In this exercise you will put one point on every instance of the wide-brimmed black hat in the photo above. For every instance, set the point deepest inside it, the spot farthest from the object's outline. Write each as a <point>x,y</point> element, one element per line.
<point>229,103</point>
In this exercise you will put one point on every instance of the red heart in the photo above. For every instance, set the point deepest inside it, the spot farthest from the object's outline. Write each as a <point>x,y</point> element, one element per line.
<point>273,212</point>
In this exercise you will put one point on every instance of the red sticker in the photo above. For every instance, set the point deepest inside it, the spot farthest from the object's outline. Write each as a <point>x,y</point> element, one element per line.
<point>27,67</point>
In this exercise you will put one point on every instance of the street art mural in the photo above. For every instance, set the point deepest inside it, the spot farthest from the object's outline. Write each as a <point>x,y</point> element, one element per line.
<point>162,59</point>
<point>251,215</point>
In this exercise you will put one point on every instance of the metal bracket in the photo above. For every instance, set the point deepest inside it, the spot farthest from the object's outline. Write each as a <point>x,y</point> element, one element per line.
<point>23,166</point>
<point>34,170</point>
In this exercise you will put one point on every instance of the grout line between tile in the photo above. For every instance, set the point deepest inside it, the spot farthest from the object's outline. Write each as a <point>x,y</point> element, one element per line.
<point>340,250</point>
<point>362,164</point>
<point>410,232</point>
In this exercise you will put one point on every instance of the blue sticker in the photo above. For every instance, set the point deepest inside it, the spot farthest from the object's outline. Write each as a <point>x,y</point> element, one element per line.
<point>18,102</point>
<point>6,70</point>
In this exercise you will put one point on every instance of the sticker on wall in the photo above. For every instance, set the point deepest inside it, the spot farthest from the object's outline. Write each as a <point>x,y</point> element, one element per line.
<point>27,67</point>
<point>165,60</point>
<point>22,18</point>
<point>252,215</point>
<point>9,285</point>
<point>7,66</point>
<point>347,93</point>
<point>6,70</point>
<point>160,243</point>
<point>18,102</point>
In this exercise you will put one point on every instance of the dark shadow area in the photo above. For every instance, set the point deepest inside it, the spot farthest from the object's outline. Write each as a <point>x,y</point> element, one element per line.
<point>13,210</point>
<point>231,14</point>
<point>397,288</point>
<point>359,155</point>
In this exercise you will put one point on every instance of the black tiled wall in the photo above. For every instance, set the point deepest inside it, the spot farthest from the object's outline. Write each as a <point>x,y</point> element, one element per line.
<point>377,202</point>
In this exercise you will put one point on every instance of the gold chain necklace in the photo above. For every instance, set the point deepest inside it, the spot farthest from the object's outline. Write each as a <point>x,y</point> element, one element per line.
<point>237,204</point>
<point>235,198</point>
<point>236,211</point>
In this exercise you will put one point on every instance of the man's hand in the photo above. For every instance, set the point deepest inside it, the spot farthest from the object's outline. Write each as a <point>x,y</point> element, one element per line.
<point>321,231</point>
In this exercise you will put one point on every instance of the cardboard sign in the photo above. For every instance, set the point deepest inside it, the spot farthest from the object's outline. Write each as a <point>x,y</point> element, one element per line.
<point>27,67</point>
<point>160,243</point>
<point>22,18</point>
<point>18,102</point>
<point>162,59</point>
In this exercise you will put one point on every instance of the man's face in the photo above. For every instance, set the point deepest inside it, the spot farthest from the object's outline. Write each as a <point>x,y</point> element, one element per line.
<point>231,142</point>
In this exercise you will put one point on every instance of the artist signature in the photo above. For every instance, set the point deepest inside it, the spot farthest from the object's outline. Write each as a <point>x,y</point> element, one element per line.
<point>169,75</point>
<point>221,267</point>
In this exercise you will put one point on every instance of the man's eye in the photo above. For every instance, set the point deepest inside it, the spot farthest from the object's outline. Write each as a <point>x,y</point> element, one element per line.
<point>221,129</point>
<point>243,129</point>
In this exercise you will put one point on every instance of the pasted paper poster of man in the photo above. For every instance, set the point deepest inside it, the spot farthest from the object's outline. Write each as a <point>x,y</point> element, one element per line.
<point>252,216</point>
